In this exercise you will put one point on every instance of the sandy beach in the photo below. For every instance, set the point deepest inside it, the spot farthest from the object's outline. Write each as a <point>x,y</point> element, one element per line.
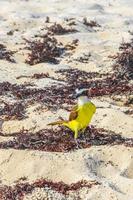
<point>47,50</point>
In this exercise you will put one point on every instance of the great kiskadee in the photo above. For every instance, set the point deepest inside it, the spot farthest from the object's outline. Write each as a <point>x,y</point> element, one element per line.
<point>81,114</point>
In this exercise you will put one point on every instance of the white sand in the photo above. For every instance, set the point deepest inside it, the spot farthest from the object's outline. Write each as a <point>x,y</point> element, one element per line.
<point>111,166</point>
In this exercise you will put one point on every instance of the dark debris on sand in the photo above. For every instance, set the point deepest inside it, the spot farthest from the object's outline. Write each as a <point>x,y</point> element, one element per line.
<point>57,96</point>
<point>35,76</point>
<point>6,54</point>
<point>75,75</point>
<point>48,49</point>
<point>71,21</point>
<point>72,45</point>
<point>91,23</point>
<point>13,111</point>
<point>39,76</point>
<point>84,58</point>
<point>108,85</point>
<point>124,60</point>
<point>18,191</point>
<point>58,29</point>
<point>53,97</point>
<point>62,140</point>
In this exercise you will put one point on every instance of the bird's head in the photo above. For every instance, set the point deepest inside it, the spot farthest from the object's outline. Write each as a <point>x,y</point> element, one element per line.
<point>81,92</point>
<point>82,96</point>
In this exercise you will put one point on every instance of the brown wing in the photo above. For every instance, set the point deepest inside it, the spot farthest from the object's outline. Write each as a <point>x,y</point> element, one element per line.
<point>74,113</point>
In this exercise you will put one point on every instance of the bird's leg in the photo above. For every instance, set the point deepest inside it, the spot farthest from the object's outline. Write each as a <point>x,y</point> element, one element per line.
<point>76,134</point>
<point>77,145</point>
<point>75,138</point>
<point>83,131</point>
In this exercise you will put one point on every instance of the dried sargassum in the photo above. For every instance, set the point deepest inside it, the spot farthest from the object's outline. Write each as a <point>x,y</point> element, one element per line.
<point>6,54</point>
<point>124,61</point>
<point>35,76</point>
<point>47,49</point>
<point>19,190</point>
<point>13,111</point>
<point>62,140</point>
<point>91,23</point>
<point>58,29</point>
<point>56,96</point>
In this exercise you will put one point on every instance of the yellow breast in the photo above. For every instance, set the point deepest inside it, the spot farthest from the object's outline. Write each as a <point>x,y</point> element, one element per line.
<point>85,113</point>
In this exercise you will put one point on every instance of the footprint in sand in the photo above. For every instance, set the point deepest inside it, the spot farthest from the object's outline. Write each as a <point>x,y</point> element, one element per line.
<point>128,172</point>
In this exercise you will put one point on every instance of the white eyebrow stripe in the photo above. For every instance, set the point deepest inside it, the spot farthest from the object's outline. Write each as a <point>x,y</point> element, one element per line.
<point>80,91</point>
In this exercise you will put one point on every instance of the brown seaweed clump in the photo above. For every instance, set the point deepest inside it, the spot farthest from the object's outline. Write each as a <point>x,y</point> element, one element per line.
<point>58,29</point>
<point>84,58</point>
<point>19,190</point>
<point>12,111</point>
<point>108,85</point>
<point>57,96</point>
<point>91,23</point>
<point>46,50</point>
<point>35,76</point>
<point>62,140</point>
<point>72,45</point>
<point>53,97</point>
<point>6,54</point>
<point>124,60</point>
<point>73,76</point>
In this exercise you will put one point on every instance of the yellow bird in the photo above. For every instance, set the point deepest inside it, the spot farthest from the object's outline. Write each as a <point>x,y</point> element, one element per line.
<point>81,114</point>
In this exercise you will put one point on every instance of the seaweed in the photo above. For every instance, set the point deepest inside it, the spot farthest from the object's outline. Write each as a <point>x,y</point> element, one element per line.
<point>61,140</point>
<point>84,59</point>
<point>76,75</point>
<point>110,84</point>
<point>57,96</point>
<point>52,96</point>
<point>19,190</point>
<point>72,45</point>
<point>124,61</point>
<point>91,23</point>
<point>39,76</point>
<point>58,29</point>
<point>11,32</point>
<point>35,76</point>
<point>46,50</point>
<point>6,54</point>
<point>13,111</point>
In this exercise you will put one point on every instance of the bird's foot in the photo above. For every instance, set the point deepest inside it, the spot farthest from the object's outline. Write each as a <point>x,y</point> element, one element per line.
<point>84,138</point>
<point>82,134</point>
<point>83,130</point>
<point>77,144</point>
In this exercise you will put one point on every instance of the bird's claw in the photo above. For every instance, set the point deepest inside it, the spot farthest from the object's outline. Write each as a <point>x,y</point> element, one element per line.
<point>77,144</point>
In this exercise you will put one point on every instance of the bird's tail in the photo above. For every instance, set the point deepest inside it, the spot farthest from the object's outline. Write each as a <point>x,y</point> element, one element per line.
<point>57,123</point>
